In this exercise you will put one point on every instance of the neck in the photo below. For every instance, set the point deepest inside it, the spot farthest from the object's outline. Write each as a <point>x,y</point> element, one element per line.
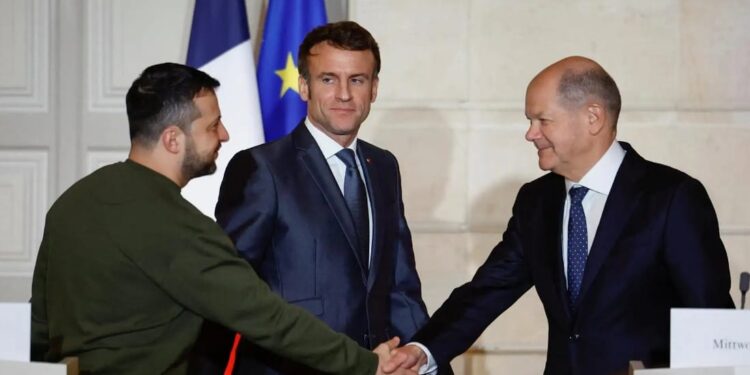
<point>342,139</point>
<point>590,159</point>
<point>159,164</point>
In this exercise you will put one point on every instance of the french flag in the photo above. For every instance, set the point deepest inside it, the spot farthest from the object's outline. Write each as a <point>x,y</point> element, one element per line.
<point>220,46</point>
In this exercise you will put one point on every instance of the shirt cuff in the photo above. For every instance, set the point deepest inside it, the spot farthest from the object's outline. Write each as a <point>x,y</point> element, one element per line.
<point>429,368</point>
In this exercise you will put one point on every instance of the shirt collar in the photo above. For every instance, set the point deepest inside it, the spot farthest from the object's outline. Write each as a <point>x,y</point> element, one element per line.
<point>327,145</point>
<point>602,175</point>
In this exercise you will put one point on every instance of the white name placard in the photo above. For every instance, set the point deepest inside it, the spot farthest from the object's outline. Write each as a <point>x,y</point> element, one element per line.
<point>709,337</point>
<point>15,331</point>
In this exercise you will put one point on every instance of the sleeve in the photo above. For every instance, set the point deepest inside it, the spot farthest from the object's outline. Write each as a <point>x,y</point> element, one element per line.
<point>502,279</point>
<point>39,325</point>
<point>696,256</point>
<point>408,311</point>
<point>246,207</point>
<point>429,368</point>
<point>194,262</point>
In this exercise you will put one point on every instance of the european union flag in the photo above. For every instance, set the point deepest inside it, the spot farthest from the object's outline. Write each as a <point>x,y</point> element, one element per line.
<point>287,23</point>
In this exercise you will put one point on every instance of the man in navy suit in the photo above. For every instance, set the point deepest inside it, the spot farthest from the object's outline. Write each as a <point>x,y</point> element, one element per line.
<point>319,213</point>
<point>610,240</point>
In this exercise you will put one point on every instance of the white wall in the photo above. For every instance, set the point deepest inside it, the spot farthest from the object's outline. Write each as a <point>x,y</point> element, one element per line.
<point>450,107</point>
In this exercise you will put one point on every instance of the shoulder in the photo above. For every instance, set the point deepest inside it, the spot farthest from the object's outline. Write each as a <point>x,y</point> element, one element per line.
<point>169,216</point>
<point>381,154</point>
<point>659,177</point>
<point>270,152</point>
<point>249,161</point>
<point>648,174</point>
<point>100,184</point>
<point>662,172</point>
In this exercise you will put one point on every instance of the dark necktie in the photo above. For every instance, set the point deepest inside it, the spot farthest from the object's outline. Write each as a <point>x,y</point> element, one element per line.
<point>577,244</point>
<point>356,199</point>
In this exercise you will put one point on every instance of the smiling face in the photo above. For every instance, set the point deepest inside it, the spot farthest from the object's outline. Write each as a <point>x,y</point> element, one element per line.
<point>560,134</point>
<point>204,139</point>
<point>572,107</point>
<point>341,88</point>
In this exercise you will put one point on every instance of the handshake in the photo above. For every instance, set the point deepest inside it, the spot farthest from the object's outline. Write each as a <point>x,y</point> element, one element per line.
<point>394,360</point>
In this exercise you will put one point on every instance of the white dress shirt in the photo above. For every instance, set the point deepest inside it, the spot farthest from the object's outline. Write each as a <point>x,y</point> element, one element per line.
<point>329,147</point>
<point>598,180</point>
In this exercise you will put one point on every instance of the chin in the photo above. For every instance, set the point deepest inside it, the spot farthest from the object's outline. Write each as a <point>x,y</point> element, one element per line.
<point>346,126</point>
<point>205,171</point>
<point>345,131</point>
<point>545,166</point>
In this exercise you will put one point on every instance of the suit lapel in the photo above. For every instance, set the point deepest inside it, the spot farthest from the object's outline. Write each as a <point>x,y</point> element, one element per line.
<point>552,245</point>
<point>618,209</point>
<point>373,180</point>
<point>312,158</point>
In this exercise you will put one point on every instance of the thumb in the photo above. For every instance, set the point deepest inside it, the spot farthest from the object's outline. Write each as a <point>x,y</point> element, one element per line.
<point>393,343</point>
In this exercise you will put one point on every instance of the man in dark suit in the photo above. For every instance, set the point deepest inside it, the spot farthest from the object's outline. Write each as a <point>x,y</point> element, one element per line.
<point>610,241</point>
<point>319,213</point>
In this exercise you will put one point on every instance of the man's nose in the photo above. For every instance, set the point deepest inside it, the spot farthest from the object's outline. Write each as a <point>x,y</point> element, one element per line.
<point>223,133</point>
<point>343,92</point>
<point>533,132</point>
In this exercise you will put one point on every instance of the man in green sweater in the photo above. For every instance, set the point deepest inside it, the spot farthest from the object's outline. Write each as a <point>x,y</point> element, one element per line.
<point>128,270</point>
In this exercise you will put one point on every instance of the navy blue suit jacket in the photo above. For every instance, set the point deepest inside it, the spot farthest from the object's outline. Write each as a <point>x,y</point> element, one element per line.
<point>657,247</point>
<point>281,205</point>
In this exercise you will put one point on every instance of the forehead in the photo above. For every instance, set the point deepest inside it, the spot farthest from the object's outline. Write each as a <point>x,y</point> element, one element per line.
<point>207,104</point>
<point>327,58</point>
<point>541,95</point>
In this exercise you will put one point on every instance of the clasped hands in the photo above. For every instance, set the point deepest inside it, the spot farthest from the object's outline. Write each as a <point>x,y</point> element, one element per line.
<point>394,360</point>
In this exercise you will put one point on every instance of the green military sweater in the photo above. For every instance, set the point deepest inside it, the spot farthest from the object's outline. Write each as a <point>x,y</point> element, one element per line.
<point>128,270</point>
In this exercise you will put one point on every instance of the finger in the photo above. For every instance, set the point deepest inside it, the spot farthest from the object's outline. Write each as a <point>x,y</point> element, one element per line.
<point>399,359</point>
<point>393,363</point>
<point>393,343</point>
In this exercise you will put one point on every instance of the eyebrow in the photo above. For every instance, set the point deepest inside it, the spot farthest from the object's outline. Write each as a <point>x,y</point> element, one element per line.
<point>365,75</point>
<point>538,114</point>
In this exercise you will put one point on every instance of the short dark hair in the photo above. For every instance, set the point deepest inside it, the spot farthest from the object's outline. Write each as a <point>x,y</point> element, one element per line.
<point>577,86</point>
<point>346,35</point>
<point>163,95</point>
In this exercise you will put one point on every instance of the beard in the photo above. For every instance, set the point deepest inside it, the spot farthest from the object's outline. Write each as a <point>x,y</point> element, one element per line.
<point>195,165</point>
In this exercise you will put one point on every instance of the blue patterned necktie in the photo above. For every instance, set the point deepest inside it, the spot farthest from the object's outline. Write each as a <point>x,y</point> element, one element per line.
<point>577,244</point>
<point>356,199</point>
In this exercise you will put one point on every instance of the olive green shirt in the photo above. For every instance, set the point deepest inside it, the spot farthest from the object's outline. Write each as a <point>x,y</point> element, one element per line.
<point>128,270</point>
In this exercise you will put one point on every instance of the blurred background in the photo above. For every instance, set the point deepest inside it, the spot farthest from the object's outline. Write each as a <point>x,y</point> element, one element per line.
<point>450,107</point>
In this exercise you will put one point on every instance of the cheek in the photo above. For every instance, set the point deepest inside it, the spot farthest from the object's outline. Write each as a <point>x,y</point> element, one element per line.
<point>320,100</point>
<point>366,95</point>
<point>547,135</point>
<point>560,136</point>
<point>364,104</point>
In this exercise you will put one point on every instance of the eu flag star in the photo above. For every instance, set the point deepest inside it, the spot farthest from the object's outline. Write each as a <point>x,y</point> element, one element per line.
<point>289,76</point>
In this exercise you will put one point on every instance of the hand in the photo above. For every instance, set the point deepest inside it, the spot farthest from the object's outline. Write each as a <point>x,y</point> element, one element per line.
<point>409,356</point>
<point>384,351</point>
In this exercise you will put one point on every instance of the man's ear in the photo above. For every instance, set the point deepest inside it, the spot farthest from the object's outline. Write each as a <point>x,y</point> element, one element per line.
<point>304,89</point>
<point>595,118</point>
<point>172,138</point>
